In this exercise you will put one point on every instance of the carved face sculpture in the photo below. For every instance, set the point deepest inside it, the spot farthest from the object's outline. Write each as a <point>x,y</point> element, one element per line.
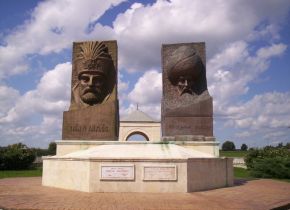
<point>93,74</point>
<point>91,88</point>
<point>185,69</point>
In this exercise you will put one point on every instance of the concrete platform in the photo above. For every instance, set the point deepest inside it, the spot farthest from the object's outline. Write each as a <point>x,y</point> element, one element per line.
<point>137,168</point>
<point>28,193</point>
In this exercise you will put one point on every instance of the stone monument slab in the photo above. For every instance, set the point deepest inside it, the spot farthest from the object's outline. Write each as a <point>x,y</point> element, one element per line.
<point>186,104</point>
<point>93,112</point>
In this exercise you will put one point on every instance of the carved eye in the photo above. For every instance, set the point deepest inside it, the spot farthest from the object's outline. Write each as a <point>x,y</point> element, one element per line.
<point>84,78</point>
<point>181,80</point>
<point>98,81</point>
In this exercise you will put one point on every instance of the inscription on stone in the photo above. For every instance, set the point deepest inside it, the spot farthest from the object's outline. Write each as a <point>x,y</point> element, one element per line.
<point>88,128</point>
<point>160,173</point>
<point>117,172</point>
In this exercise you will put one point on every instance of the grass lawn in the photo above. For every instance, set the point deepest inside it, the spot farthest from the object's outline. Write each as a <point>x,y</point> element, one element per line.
<point>21,173</point>
<point>232,153</point>
<point>242,173</point>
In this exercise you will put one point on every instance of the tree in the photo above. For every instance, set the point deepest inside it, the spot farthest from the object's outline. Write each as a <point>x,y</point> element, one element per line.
<point>16,156</point>
<point>52,148</point>
<point>228,146</point>
<point>244,147</point>
<point>280,145</point>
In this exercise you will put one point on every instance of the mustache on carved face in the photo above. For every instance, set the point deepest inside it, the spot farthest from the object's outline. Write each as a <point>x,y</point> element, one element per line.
<point>185,90</point>
<point>91,90</point>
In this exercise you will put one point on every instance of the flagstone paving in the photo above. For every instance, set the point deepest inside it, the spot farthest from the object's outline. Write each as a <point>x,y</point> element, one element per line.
<point>27,193</point>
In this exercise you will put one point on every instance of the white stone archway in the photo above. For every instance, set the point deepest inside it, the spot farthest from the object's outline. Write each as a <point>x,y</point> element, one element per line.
<point>139,123</point>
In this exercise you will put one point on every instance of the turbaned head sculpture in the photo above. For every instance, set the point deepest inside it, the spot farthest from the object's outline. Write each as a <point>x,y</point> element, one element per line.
<point>186,71</point>
<point>96,74</point>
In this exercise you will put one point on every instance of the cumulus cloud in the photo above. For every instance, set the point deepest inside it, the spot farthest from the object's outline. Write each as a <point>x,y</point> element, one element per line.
<point>148,89</point>
<point>146,94</point>
<point>37,115</point>
<point>8,97</point>
<point>52,27</point>
<point>231,71</point>
<point>269,110</point>
<point>143,28</point>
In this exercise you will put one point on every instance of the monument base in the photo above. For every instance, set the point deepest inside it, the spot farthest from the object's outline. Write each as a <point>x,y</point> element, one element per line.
<point>137,168</point>
<point>210,146</point>
<point>92,123</point>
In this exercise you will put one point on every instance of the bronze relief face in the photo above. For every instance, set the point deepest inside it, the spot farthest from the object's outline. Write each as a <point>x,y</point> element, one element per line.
<point>94,74</point>
<point>185,69</point>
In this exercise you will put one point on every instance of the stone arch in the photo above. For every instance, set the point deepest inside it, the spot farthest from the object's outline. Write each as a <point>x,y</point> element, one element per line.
<point>138,132</point>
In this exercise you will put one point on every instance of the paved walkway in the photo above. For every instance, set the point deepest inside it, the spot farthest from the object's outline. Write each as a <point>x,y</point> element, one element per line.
<point>27,193</point>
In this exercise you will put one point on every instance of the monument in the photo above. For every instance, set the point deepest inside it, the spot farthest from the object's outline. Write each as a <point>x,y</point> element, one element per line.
<point>93,113</point>
<point>186,104</point>
<point>90,159</point>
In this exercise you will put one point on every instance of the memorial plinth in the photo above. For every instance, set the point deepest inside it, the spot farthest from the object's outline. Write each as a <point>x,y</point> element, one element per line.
<point>137,168</point>
<point>91,123</point>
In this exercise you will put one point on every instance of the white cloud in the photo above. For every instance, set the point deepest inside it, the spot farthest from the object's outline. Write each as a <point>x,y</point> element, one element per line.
<point>122,86</point>
<point>231,71</point>
<point>148,89</point>
<point>53,26</point>
<point>146,93</point>
<point>8,97</point>
<point>37,115</point>
<point>269,110</point>
<point>51,96</point>
<point>143,28</point>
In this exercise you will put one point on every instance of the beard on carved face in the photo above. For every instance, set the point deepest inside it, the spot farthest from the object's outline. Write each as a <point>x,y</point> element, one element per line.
<point>91,95</point>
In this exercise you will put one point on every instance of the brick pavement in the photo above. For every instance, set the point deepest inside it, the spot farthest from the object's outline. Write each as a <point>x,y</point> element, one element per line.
<point>27,193</point>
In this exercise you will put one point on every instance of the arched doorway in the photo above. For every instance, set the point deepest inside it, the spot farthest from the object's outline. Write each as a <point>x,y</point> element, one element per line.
<point>137,136</point>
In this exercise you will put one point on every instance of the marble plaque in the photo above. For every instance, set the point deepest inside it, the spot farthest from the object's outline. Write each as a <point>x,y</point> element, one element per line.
<point>160,173</point>
<point>117,172</point>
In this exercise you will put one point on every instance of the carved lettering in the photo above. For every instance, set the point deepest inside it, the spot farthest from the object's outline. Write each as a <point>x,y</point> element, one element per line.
<point>117,172</point>
<point>98,128</point>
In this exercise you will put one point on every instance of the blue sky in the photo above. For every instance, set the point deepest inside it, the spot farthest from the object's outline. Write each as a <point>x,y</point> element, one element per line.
<point>248,65</point>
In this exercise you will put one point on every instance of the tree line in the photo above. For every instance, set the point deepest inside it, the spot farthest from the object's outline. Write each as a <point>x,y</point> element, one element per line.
<point>19,156</point>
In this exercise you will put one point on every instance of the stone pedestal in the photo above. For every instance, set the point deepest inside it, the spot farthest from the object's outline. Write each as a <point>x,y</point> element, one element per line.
<point>91,123</point>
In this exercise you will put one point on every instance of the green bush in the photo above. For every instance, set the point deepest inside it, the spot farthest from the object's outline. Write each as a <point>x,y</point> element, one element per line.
<point>269,162</point>
<point>277,167</point>
<point>15,157</point>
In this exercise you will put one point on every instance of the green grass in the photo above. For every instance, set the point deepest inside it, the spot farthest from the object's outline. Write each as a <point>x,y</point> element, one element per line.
<point>241,173</point>
<point>232,153</point>
<point>21,173</point>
